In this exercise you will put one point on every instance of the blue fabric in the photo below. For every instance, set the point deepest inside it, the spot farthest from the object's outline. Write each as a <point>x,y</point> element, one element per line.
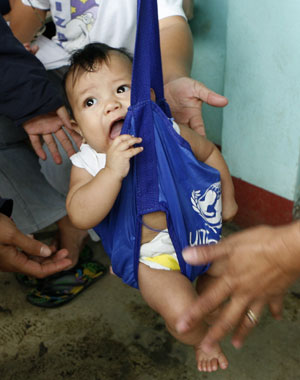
<point>165,176</point>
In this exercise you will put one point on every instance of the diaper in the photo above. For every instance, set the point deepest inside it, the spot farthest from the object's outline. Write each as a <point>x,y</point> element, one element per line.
<point>159,253</point>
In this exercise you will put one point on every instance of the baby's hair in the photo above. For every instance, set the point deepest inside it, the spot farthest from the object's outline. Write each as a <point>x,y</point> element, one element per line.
<point>88,59</point>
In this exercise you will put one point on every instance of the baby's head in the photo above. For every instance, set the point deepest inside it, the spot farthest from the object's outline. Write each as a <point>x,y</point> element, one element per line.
<point>97,87</point>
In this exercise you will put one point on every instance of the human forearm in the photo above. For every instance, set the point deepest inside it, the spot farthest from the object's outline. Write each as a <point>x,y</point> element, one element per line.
<point>25,21</point>
<point>176,48</point>
<point>88,205</point>
<point>183,94</point>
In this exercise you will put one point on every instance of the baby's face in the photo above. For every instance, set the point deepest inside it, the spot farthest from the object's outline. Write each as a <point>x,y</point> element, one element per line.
<point>100,100</point>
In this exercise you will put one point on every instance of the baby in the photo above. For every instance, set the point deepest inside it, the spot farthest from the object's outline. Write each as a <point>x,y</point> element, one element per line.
<point>98,87</point>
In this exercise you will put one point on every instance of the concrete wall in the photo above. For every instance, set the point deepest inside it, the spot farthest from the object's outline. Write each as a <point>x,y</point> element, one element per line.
<point>260,133</point>
<point>209,34</point>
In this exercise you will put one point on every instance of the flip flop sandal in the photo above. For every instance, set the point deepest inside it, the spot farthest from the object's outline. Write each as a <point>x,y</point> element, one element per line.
<point>86,254</point>
<point>296,294</point>
<point>65,286</point>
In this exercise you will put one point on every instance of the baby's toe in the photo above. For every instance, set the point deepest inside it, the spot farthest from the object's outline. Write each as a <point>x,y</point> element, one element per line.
<point>223,362</point>
<point>213,365</point>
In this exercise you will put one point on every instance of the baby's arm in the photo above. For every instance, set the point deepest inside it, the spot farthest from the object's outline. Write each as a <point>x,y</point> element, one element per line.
<point>91,198</point>
<point>205,151</point>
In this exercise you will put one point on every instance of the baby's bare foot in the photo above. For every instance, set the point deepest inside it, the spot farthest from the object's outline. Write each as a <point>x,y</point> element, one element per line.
<point>71,238</point>
<point>212,361</point>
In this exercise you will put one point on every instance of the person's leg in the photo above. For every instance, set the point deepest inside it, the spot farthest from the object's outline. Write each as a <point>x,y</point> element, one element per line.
<point>171,294</point>
<point>36,203</point>
<point>57,175</point>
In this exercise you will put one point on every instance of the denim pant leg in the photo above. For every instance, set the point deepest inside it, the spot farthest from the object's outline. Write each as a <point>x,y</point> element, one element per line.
<point>36,203</point>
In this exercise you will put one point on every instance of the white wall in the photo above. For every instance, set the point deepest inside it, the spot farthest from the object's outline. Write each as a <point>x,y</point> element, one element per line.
<point>261,126</point>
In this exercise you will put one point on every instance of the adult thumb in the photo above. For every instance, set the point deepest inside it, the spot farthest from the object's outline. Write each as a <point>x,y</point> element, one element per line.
<point>31,246</point>
<point>208,96</point>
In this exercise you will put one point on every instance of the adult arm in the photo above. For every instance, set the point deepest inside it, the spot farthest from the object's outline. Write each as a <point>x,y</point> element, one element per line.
<point>26,21</point>
<point>262,263</point>
<point>28,97</point>
<point>184,94</point>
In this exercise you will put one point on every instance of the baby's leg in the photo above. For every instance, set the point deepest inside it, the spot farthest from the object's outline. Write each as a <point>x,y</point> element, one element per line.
<point>206,281</point>
<point>170,294</point>
<point>205,365</point>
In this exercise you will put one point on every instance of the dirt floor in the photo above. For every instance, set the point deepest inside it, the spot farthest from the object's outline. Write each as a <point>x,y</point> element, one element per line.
<point>109,333</point>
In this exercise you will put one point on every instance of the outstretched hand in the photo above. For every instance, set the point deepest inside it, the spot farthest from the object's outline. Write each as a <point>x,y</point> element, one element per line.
<point>18,253</point>
<point>186,96</point>
<point>262,263</point>
<point>44,125</point>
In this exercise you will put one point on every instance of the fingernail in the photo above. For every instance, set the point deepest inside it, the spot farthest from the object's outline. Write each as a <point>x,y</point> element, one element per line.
<point>189,253</point>
<point>45,251</point>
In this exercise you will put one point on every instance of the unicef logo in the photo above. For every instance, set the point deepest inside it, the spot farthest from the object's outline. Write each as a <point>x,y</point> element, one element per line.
<point>209,204</point>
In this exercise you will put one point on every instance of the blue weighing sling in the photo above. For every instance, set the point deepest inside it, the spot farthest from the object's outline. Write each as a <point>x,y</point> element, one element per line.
<point>166,176</point>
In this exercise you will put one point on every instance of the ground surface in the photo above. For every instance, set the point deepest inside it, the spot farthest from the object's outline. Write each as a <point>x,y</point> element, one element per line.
<point>108,333</point>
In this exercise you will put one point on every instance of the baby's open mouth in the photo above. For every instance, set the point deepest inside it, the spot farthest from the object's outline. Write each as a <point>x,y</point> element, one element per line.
<point>115,128</point>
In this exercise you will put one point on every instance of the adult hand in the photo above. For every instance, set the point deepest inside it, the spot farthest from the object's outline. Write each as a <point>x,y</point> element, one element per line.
<point>186,96</point>
<point>262,263</point>
<point>44,125</point>
<point>12,259</point>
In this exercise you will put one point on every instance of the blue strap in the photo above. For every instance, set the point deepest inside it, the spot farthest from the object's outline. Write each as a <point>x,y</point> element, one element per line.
<point>147,69</point>
<point>147,74</point>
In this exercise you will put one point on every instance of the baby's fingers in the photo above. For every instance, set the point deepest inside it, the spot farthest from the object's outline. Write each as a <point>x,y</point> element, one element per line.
<point>124,142</point>
<point>131,152</point>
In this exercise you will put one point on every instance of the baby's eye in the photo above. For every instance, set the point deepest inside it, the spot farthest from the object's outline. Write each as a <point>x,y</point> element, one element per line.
<point>90,102</point>
<point>122,88</point>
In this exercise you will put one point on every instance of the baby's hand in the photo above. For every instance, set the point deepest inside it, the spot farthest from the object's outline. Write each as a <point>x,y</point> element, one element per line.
<point>120,153</point>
